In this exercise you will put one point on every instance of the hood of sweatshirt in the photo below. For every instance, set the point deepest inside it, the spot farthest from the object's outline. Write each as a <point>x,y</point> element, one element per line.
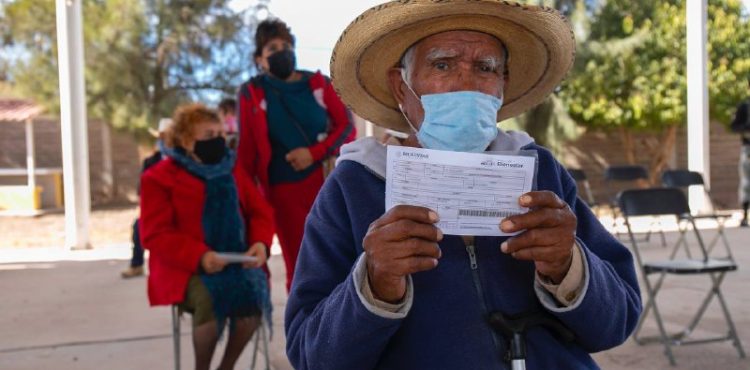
<point>370,153</point>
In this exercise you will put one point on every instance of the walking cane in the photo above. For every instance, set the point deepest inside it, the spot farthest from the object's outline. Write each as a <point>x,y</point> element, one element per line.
<point>513,328</point>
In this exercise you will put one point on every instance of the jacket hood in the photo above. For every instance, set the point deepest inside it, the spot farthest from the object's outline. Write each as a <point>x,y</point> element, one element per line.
<point>370,153</point>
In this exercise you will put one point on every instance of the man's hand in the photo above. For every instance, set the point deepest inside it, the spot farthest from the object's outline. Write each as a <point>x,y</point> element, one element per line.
<point>300,159</point>
<point>549,237</point>
<point>259,251</point>
<point>212,263</point>
<point>401,242</point>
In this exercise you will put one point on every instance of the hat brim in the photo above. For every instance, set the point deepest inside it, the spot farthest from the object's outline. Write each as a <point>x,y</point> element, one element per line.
<point>539,40</point>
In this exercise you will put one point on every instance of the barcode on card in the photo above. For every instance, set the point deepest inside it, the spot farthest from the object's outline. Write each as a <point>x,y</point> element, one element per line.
<point>485,213</point>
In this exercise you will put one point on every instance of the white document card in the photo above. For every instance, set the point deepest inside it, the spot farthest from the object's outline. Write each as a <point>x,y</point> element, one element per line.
<point>471,192</point>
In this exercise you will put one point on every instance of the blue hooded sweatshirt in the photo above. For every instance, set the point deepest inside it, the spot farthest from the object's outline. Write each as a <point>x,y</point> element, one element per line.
<point>330,325</point>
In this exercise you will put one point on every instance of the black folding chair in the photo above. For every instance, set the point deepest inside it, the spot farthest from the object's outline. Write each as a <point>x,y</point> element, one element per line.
<point>259,335</point>
<point>671,201</point>
<point>615,177</point>
<point>580,177</point>
<point>683,179</point>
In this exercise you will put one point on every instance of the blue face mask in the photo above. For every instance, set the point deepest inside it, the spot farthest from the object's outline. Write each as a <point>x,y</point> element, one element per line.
<point>462,121</point>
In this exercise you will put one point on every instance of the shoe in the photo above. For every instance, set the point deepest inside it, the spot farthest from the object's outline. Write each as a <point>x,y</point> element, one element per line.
<point>744,223</point>
<point>131,272</point>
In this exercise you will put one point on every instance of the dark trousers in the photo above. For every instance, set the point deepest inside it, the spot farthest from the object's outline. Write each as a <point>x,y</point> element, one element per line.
<point>137,259</point>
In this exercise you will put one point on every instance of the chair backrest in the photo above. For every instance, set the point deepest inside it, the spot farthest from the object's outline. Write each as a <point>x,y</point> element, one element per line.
<point>681,178</point>
<point>577,174</point>
<point>653,202</point>
<point>656,202</point>
<point>625,173</point>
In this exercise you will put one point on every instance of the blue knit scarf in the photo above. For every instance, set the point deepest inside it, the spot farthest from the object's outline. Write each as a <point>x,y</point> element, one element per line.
<point>234,291</point>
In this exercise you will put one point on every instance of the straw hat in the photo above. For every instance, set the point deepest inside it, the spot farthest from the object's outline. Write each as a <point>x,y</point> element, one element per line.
<point>540,43</point>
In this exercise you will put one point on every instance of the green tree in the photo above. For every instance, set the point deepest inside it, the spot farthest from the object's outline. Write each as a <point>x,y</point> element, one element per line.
<point>631,76</point>
<point>142,57</point>
<point>549,123</point>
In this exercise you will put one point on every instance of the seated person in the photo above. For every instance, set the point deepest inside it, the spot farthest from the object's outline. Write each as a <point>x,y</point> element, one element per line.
<point>193,204</point>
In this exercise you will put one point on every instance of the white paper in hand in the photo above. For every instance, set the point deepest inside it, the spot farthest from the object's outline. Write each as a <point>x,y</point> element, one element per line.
<point>471,192</point>
<point>236,257</point>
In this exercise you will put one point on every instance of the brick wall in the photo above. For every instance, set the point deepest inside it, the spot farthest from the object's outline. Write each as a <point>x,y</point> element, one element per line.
<point>48,149</point>
<point>594,151</point>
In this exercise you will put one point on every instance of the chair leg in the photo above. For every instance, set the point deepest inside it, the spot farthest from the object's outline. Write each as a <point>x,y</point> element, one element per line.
<point>728,317</point>
<point>260,335</point>
<point>639,326</point>
<point>663,237</point>
<point>702,309</point>
<point>651,304</point>
<point>682,240</point>
<point>646,309</point>
<point>665,340</point>
<point>721,235</point>
<point>726,245</point>
<point>176,336</point>
<point>661,232</point>
<point>614,221</point>
<point>264,335</point>
<point>256,339</point>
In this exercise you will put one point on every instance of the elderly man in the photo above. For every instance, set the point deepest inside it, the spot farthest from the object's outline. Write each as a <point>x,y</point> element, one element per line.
<point>388,290</point>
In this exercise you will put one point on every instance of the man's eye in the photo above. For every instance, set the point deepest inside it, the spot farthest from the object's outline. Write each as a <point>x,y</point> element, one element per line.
<point>442,66</point>
<point>487,68</point>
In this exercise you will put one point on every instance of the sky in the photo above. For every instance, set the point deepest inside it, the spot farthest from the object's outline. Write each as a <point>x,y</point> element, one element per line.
<point>317,24</point>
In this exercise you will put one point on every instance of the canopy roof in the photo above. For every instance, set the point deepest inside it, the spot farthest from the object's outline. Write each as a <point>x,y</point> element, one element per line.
<point>18,110</point>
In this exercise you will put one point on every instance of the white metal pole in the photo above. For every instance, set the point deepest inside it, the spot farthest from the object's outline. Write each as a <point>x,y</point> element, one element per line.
<point>697,105</point>
<point>30,163</point>
<point>74,123</point>
<point>107,166</point>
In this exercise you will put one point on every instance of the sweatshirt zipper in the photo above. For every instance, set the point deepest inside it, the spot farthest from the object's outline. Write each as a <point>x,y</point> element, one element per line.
<point>471,250</point>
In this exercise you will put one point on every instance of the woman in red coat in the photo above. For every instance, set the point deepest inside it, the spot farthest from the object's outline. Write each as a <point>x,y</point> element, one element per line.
<point>291,122</point>
<point>194,205</point>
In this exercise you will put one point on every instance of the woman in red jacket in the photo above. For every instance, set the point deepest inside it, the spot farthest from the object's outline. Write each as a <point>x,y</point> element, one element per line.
<point>290,121</point>
<point>194,205</point>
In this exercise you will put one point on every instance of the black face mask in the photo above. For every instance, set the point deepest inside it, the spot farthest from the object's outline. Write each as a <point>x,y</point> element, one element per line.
<point>211,151</point>
<point>281,64</point>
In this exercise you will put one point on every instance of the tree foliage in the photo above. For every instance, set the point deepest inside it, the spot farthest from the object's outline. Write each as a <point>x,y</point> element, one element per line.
<point>633,72</point>
<point>549,123</point>
<point>630,75</point>
<point>142,57</point>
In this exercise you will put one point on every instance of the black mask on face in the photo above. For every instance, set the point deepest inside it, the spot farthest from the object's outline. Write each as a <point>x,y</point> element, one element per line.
<point>281,63</point>
<point>210,151</point>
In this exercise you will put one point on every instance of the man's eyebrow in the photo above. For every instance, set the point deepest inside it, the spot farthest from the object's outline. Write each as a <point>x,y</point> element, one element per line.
<point>438,53</point>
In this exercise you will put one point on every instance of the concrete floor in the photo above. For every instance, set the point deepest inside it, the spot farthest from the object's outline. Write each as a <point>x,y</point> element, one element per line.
<point>71,310</point>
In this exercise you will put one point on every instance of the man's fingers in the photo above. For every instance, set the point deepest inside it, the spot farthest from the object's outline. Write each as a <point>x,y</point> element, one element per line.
<point>414,213</point>
<point>413,265</point>
<point>415,247</point>
<point>542,254</point>
<point>412,247</point>
<point>531,238</point>
<point>542,217</point>
<point>404,229</point>
<point>535,199</point>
